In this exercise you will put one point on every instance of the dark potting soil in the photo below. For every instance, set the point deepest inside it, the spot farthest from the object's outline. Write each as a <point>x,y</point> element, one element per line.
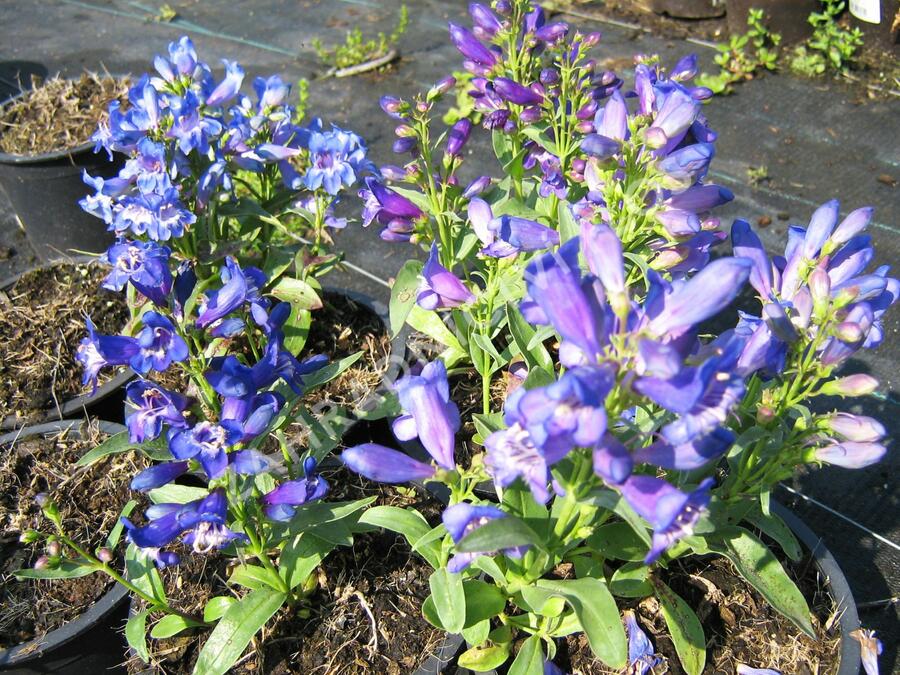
<point>41,325</point>
<point>739,625</point>
<point>365,617</point>
<point>58,114</point>
<point>340,328</point>
<point>90,501</point>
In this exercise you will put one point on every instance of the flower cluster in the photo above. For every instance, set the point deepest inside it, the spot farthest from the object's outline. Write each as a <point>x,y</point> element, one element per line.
<point>194,143</point>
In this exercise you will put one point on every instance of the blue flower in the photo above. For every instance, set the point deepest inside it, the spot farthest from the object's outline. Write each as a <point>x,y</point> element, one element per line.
<point>99,351</point>
<point>641,657</point>
<point>336,157</point>
<point>282,502</point>
<point>228,88</point>
<point>148,168</point>
<point>252,414</point>
<point>504,236</point>
<point>144,264</point>
<point>154,407</point>
<point>160,345</point>
<point>239,286</point>
<point>429,414</point>
<point>158,475</point>
<point>440,288</point>
<point>192,129</point>
<point>385,465</point>
<point>463,519</point>
<point>206,442</point>
<point>512,453</point>
<point>102,203</point>
<point>159,216</point>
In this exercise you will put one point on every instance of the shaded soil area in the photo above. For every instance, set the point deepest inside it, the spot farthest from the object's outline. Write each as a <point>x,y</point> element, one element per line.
<point>58,114</point>
<point>90,501</point>
<point>739,625</point>
<point>364,616</point>
<point>41,326</point>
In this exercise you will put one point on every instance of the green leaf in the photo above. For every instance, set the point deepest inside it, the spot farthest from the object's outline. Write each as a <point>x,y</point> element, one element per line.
<point>297,292</point>
<point>488,346</point>
<point>119,443</point>
<point>608,499</point>
<point>619,541</point>
<point>530,659</point>
<point>685,629</point>
<point>598,614</point>
<point>477,634</point>
<point>522,334</point>
<point>774,527</point>
<point>176,494</point>
<point>170,625</point>
<point>449,599</point>
<point>216,607</point>
<point>296,329</point>
<point>68,569</point>
<point>142,572</point>
<point>486,424</point>
<point>540,136</point>
<point>567,226</point>
<point>403,293</point>
<point>430,323</point>
<point>483,659</point>
<point>301,556</point>
<point>499,533</point>
<point>136,634</point>
<point>116,533</point>
<point>315,514</point>
<point>630,581</point>
<point>235,629</point>
<point>542,601</point>
<point>326,374</point>
<point>483,601</point>
<point>407,522</point>
<point>254,577</point>
<point>761,569</point>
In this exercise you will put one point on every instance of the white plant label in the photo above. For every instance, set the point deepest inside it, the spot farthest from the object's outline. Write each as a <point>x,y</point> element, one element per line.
<point>866,10</point>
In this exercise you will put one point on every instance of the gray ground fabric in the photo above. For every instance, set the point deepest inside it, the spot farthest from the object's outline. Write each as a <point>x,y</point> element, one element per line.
<point>818,140</point>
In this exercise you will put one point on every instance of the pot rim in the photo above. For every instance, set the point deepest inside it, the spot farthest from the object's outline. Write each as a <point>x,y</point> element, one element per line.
<point>78,403</point>
<point>35,648</point>
<point>10,158</point>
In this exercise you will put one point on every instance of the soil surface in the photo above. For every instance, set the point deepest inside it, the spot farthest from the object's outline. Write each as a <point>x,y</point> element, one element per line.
<point>90,501</point>
<point>340,328</point>
<point>41,325</point>
<point>58,114</point>
<point>739,625</point>
<point>364,618</point>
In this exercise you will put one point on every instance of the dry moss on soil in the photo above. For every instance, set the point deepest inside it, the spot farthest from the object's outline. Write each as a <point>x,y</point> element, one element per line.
<point>340,328</point>
<point>58,114</point>
<point>41,325</point>
<point>90,501</point>
<point>739,625</point>
<point>365,617</point>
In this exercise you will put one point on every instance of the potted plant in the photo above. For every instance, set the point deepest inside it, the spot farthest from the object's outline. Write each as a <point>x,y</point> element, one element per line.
<point>45,144</point>
<point>642,437</point>
<point>55,620</point>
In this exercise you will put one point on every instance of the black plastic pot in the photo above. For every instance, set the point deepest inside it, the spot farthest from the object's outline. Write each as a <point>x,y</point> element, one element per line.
<point>848,619</point>
<point>690,9</point>
<point>92,643</point>
<point>788,18</point>
<point>74,406</point>
<point>44,191</point>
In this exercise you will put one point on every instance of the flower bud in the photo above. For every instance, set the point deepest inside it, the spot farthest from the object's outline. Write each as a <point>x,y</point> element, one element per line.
<point>587,111</point>
<point>764,414</point>
<point>104,555</point>
<point>41,499</point>
<point>845,296</point>
<point>549,77</point>
<point>851,455</point>
<point>458,136</point>
<point>849,332</point>
<point>503,7</point>
<point>42,563</point>
<point>578,165</point>
<point>393,106</point>
<point>585,126</point>
<point>530,115</point>
<point>53,549</point>
<point>552,32</point>
<point>29,536</point>
<point>820,288</point>
<point>402,145</point>
<point>441,87</point>
<point>393,172</point>
<point>655,138</point>
<point>858,428</point>
<point>591,39</point>
<point>851,385</point>
<point>382,464</point>
<point>514,92</point>
<point>477,186</point>
<point>404,131</point>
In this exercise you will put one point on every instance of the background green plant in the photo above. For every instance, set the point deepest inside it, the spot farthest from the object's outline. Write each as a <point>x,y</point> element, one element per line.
<point>831,47</point>
<point>356,49</point>
<point>743,55</point>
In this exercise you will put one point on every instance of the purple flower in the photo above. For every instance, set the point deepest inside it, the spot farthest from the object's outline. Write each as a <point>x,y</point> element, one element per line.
<point>566,414</point>
<point>429,414</point>
<point>251,415</point>
<point>675,116</point>
<point>385,465</point>
<point>144,264</point>
<point>282,502</point>
<point>514,92</point>
<point>206,442</point>
<point>98,351</point>
<point>158,475</point>
<point>463,519</point>
<point>484,19</point>
<point>440,288</point>
<point>855,427</point>
<point>688,456</point>
<point>599,146</point>
<point>476,187</point>
<point>271,91</point>
<point>337,158</point>
<point>102,203</point>
<point>470,47</point>
<point>504,236</point>
<point>160,345</point>
<point>851,454</point>
<point>396,213</point>
<point>154,407</point>
<point>458,136</point>
<point>641,657</point>
<point>510,454</point>
<point>228,88</point>
<point>671,513</point>
<point>239,286</point>
<point>688,163</point>
<point>201,521</point>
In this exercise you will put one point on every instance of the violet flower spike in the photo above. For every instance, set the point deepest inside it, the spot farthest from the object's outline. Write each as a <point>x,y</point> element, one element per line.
<point>384,465</point>
<point>440,288</point>
<point>429,413</point>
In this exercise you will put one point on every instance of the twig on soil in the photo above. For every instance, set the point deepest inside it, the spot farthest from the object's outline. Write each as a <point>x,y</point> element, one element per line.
<point>373,642</point>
